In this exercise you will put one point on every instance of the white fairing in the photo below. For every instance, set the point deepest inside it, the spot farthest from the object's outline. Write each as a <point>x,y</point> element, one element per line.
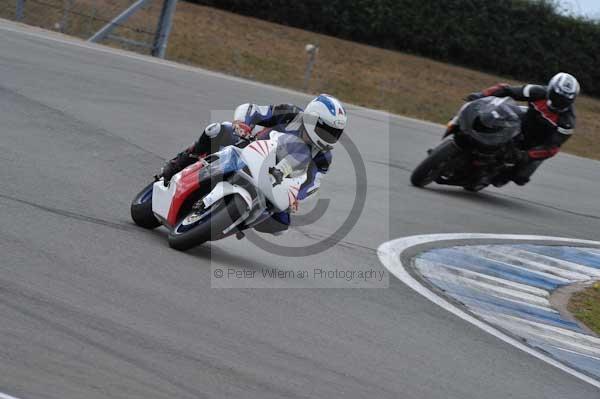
<point>223,189</point>
<point>259,157</point>
<point>163,196</point>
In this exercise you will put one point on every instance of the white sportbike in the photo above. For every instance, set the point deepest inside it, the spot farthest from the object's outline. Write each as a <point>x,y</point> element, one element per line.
<point>221,195</point>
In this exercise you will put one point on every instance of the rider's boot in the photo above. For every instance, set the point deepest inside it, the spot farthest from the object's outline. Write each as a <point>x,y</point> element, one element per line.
<point>524,172</point>
<point>208,142</point>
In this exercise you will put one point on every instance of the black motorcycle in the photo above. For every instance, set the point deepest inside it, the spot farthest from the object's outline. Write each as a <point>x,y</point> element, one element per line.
<point>478,151</point>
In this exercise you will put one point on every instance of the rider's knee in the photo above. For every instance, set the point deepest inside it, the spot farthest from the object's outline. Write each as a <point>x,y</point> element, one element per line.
<point>213,130</point>
<point>218,131</point>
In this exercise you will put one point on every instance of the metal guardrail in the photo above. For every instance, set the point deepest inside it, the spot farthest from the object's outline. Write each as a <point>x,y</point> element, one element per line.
<point>118,20</point>
<point>143,25</point>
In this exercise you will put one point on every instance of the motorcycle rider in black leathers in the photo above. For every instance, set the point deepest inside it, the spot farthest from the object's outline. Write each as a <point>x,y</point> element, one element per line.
<point>548,123</point>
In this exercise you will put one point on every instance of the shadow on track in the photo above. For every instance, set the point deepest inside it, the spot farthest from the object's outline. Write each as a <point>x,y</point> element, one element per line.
<point>209,252</point>
<point>483,198</point>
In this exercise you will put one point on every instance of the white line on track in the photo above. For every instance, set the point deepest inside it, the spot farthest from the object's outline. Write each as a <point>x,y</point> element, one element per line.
<point>390,255</point>
<point>5,396</point>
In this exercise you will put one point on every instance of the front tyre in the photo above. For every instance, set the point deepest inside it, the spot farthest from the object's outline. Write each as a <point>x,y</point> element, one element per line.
<point>431,167</point>
<point>141,209</point>
<point>196,228</point>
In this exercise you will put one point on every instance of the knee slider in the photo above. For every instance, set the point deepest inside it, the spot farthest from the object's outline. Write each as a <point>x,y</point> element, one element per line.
<point>212,130</point>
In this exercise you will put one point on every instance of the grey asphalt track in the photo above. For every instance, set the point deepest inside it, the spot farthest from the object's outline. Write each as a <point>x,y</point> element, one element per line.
<point>93,307</point>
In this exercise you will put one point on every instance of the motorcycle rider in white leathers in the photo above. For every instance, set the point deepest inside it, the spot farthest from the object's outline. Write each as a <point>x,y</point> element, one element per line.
<point>306,138</point>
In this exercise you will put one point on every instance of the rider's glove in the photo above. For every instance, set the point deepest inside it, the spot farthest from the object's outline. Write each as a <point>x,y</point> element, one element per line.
<point>281,170</point>
<point>167,172</point>
<point>277,175</point>
<point>176,165</point>
<point>243,130</point>
<point>474,96</point>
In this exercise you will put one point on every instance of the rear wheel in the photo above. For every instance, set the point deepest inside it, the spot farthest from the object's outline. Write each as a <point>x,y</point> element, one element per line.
<point>199,226</point>
<point>432,166</point>
<point>141,209</point>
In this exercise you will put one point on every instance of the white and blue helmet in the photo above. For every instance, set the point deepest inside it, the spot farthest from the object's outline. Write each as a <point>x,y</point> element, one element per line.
<point>324,120</point>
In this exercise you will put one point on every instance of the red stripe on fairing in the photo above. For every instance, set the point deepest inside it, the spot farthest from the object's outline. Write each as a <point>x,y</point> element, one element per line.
<point>292,193</point>
<point>254,147</point>
<point>293,197</point>
<point>188,183</point>
<point>541,106</point>
<point>258,146</point>
<point>265,148</point>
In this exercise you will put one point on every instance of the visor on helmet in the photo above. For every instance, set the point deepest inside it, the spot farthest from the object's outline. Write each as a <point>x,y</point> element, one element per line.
<point>327,133</point>
<point>559,101</point>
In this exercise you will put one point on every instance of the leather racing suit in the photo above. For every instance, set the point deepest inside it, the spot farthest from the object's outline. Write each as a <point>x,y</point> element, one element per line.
<point>544,130</point>
<point>262,120</point>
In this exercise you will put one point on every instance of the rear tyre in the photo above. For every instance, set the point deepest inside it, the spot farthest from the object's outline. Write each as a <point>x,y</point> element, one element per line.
<point>141,209</point>
<point>190,232</point>
<point>429,170</point>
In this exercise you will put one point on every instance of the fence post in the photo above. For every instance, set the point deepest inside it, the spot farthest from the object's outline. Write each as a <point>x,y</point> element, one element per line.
<point>312,51</point>
<point>92,17</point>
<point>163,30</point>
<point>68,4</point>
<point>20,10</point>
<point>236,62</point>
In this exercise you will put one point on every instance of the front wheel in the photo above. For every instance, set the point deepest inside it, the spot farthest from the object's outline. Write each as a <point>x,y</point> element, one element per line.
<point>197,227</point>
<point>431,167</point>
<point>141,209</point>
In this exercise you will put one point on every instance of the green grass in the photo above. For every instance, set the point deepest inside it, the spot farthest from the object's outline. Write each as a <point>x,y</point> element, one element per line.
<point>585,306</point>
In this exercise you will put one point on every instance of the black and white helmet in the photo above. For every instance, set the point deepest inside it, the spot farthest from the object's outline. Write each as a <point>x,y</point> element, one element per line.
<point>562,91</point>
